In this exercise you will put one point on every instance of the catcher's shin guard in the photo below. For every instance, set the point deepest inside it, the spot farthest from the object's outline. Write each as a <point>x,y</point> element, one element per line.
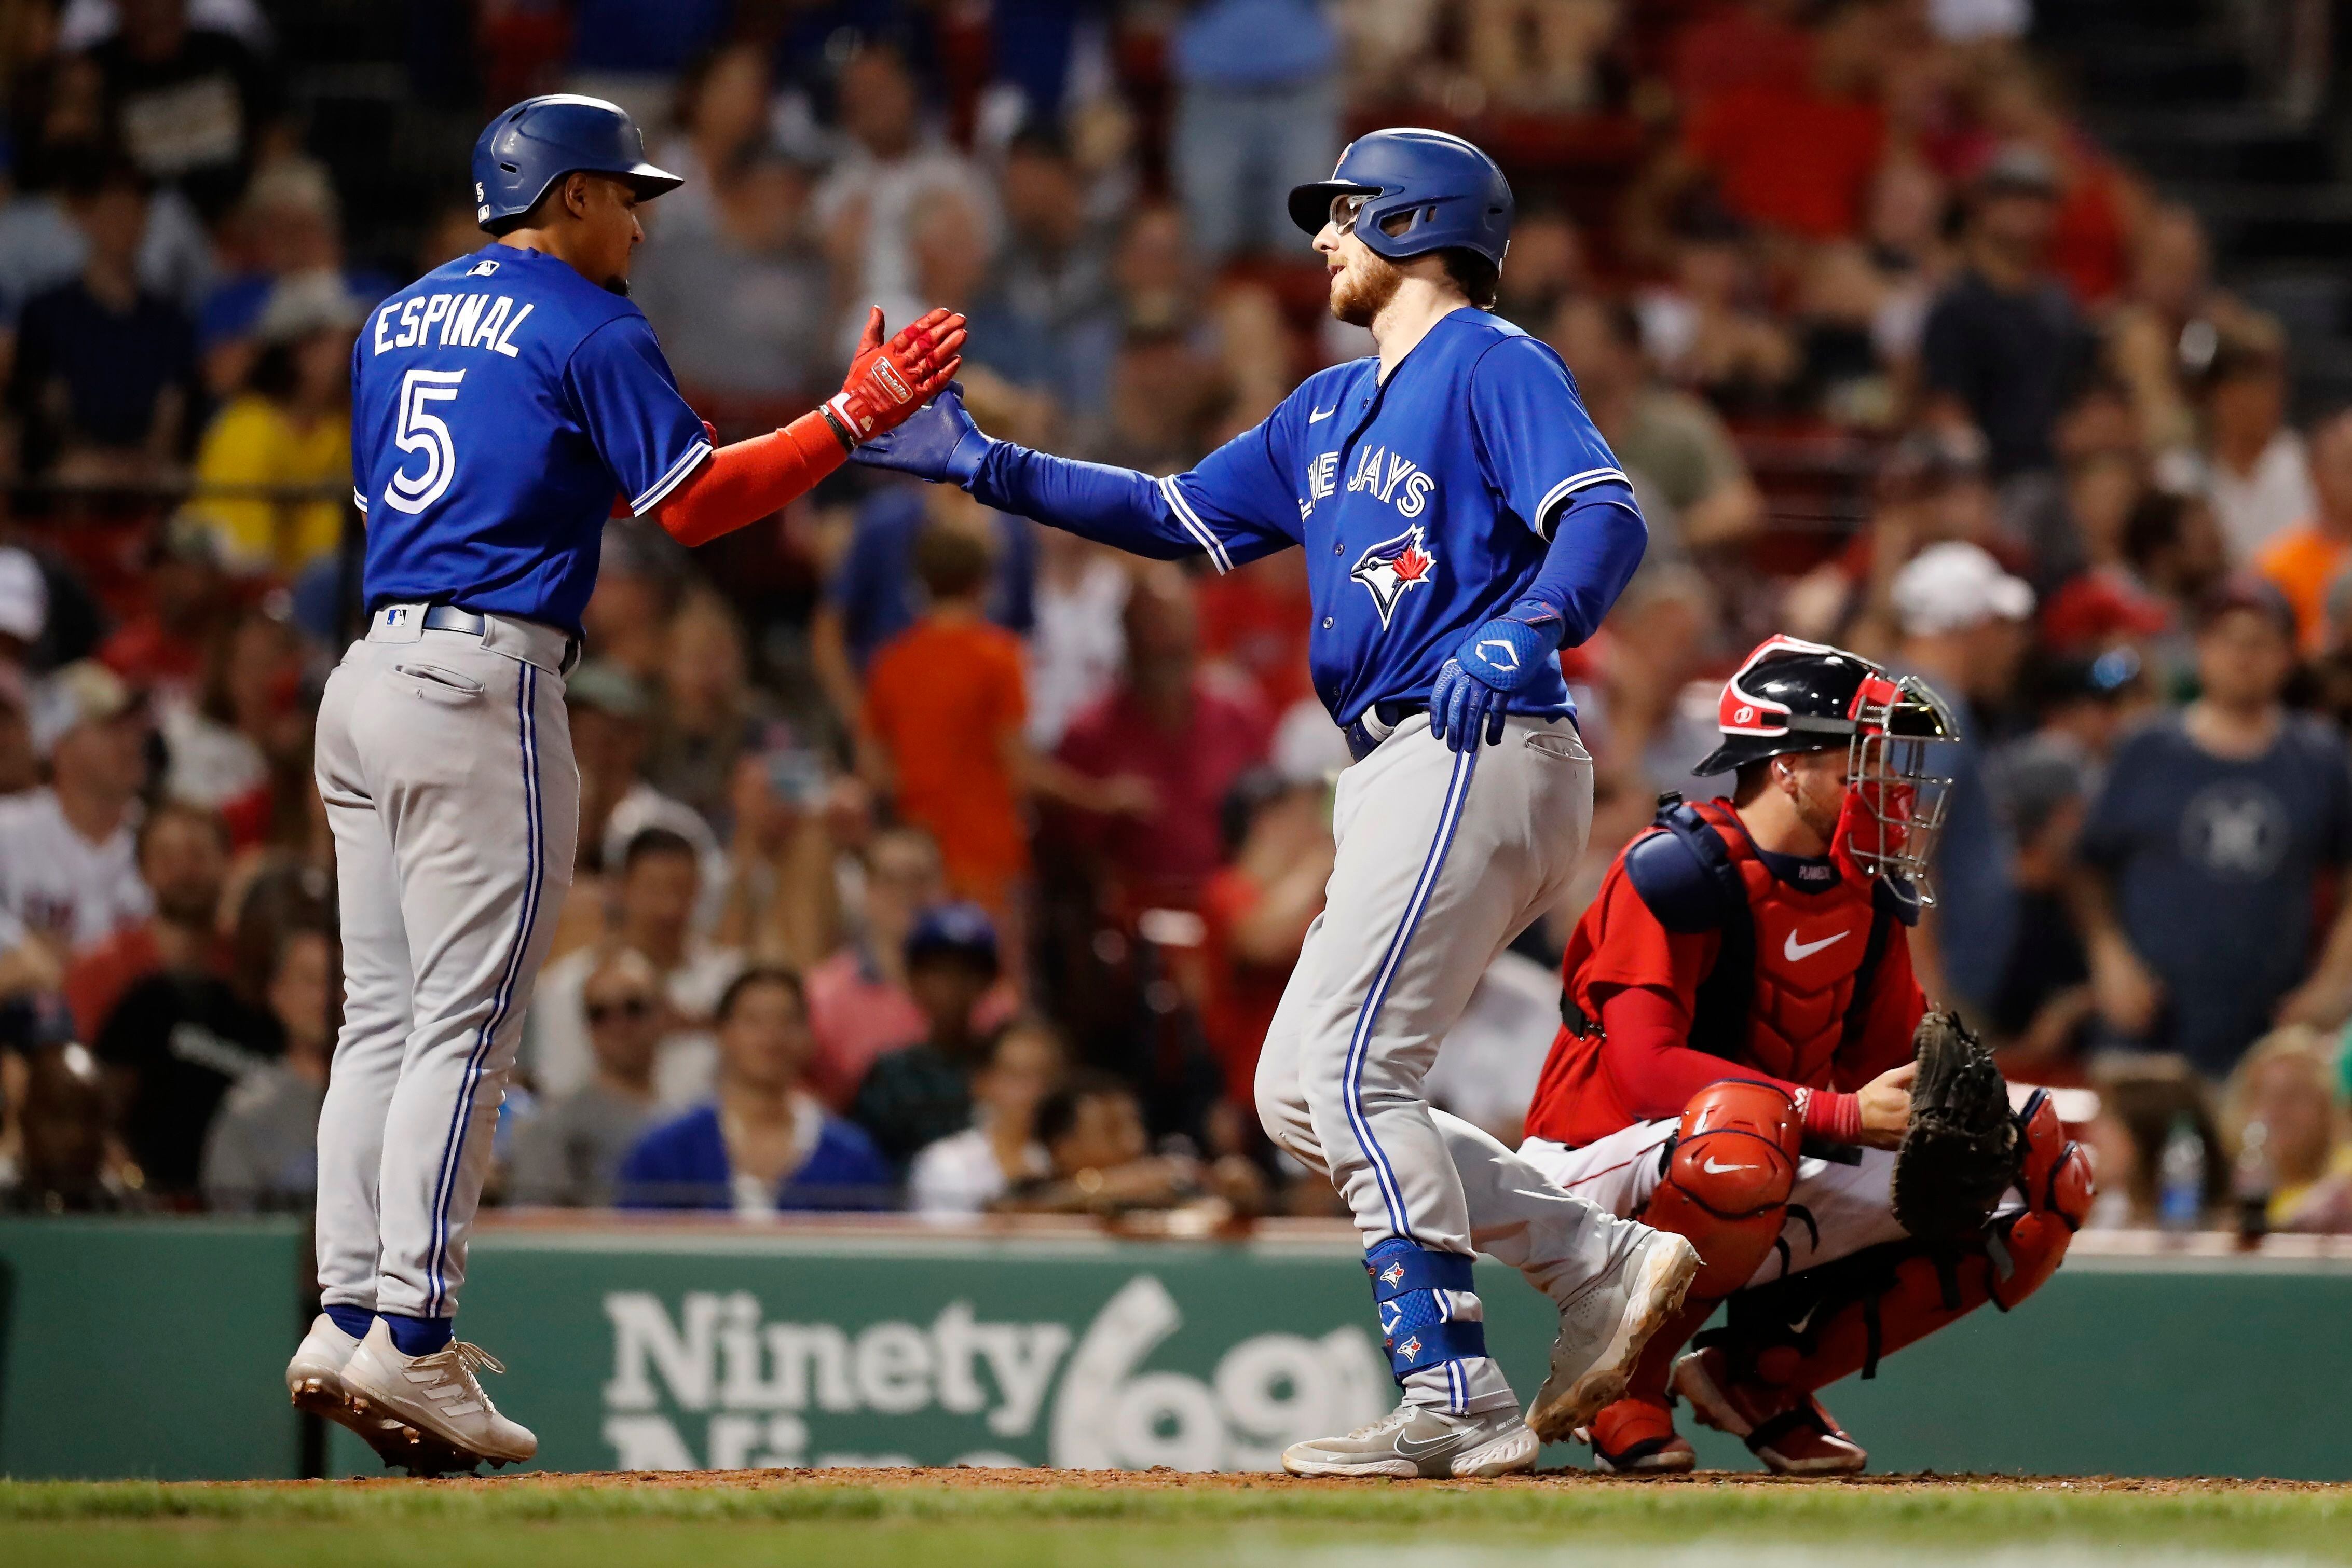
<point>1726,1181</point>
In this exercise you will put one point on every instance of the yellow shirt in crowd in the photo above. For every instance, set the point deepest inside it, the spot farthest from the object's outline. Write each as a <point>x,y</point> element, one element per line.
<point>254,442</point>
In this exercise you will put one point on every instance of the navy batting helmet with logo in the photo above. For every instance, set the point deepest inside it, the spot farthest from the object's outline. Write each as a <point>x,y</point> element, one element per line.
<point>538,142</point>
<point>1448,191</point>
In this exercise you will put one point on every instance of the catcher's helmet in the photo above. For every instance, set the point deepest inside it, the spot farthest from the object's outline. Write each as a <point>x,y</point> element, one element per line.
<point>1455,193</point>
<point>538,142</point>
<point>1794,696</point>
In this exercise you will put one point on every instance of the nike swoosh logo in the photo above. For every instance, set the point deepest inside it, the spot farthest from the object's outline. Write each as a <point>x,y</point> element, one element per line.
<point>1319,415</point>
<point>1711,1168</point>
<point>1794,950</point>
<point>1419,1448</point>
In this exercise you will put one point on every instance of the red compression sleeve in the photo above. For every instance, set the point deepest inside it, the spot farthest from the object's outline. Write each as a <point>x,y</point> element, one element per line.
<point>745,482</point>
<point>1655,1072</point>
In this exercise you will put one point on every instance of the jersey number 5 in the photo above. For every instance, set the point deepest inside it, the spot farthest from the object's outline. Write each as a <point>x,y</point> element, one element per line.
<point>421,432</point>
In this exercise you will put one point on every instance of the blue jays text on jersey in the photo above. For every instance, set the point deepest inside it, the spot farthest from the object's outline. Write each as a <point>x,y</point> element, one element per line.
<point>1425,504</point>
<point>499,403</point>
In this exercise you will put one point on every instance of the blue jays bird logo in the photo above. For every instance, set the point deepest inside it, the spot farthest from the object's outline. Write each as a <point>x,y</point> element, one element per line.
<point>1392,566</point>
<point>1392,1276</point>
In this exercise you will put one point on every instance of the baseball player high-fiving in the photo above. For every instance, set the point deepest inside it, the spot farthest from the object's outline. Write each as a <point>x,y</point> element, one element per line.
<point>1463,520</point>
<point>500,403</point>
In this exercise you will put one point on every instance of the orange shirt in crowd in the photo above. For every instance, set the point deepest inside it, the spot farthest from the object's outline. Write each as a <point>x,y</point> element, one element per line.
<point>941,698</point>
<point>1790,159</point>
<point>2303,563</point>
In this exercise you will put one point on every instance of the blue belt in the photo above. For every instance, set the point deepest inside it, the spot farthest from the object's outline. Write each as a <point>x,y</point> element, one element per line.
<point>1363,739</point>
<point>449,617</point>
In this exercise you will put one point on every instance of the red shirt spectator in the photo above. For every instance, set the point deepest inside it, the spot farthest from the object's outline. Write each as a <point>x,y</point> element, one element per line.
<point>1254,620</point>
<point>184,861</point>
<point>1789,158</point>
<point>1187,734</point>
<point>1258,910</point>
<point>1745,44</point>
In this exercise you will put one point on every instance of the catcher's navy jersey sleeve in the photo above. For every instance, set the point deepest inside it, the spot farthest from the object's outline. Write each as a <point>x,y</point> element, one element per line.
<point>649,438</point>
<point>1536,445</point>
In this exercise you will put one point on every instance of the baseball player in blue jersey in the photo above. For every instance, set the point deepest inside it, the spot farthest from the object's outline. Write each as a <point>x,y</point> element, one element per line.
<point>500,403</point>
<point>1463,520</point>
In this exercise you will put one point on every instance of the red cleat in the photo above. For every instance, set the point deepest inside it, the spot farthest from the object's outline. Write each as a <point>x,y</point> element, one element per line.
<point>1636,1437</point>
<point>1785,1428</point>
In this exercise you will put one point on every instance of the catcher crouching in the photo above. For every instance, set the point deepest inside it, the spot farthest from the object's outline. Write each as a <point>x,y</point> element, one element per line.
<point>1746,1060</point>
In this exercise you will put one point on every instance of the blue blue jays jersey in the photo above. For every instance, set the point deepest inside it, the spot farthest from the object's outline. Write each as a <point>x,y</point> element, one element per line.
<point>1424,505</point>
<point>498,405</point>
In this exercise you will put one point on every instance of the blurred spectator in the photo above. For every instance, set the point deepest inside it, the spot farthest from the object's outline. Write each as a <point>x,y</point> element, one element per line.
<point>2260,474</point>
<point>1739,44</point>
<point>68,865</point>
<point>194,108</point>
<point>638,582</point>
<point>2169,325</point>
<point>742,304</point>
<point>610,709</point>
<point>941,733</point>
<point>1092,1128</point>
<point>1707,329</point>
<point>1076,645</point>
<point>628,51</point>
<point>891,168</point>
<point>1966,627</point>
<point>1053,275</point>
<point>2043,1000</point>
<point>286,236</point>
<point>289,427</point>
<point>1538,55</point>
<point>1161,752</point>
<point>2202,853</point>
<point>874,594</point>
<point>569,1154</point>
<point>1257,111</point>
<point>262,1151</point>
<point>2004,348</point>
<point>653,905</point>
<point>1495,1053</point>
<point>2306,559</point>
<point>184,861</point>
<point>24,608</point>
<point>1794,155</point>
<point>1548,264</point>
<point>1669,438</point>
<point>246,713</point>
<point>966,1171</point>
<point>175,1044</point>
<point>105,373</point>
<point>916,1096</point>
<point>1254,623</point>
<point>161,650</point>
<point>763,1145</point>
<point>859,1006</point>
<point>709,712</point>
<point>2283,1114</point>
<point>65,1163</point>
<point>1258,910</point>
<point>718,119</point>
<point>19,769</point>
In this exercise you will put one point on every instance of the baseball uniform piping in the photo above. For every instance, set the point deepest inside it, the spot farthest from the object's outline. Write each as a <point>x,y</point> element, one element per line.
<point>1195,527</point>
<point>1351,1081</point>
<point>454,1142</point>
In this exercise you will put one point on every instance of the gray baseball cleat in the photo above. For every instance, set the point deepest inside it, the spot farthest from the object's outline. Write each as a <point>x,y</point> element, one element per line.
<point>1601,1334</point>
<point>1417,1441</point>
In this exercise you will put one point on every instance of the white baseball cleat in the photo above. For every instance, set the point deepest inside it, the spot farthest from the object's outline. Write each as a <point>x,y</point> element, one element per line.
<point>1419,1440</point>
<point>438,1395</point>
<point>1602,1332</point>
<point>314,1379</point>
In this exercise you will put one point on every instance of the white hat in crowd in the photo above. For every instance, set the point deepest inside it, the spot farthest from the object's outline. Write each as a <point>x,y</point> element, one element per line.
<point>24,596</point>
<point>1953,586</point>
<point>84,692</point>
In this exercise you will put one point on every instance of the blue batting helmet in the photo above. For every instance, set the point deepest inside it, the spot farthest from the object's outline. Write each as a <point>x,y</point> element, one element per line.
<point>538,142</point>
<point>1452,194</point>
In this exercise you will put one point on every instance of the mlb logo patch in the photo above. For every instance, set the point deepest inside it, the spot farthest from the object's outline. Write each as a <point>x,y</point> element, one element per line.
<point>1392,567</point>
<point>481,269</point>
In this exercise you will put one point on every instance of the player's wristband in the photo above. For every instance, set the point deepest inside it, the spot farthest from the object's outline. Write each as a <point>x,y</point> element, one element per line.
<point>840,425</point>
<point>1830,1115</point>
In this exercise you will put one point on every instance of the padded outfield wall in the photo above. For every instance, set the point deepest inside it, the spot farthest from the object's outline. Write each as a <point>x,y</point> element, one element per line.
<point>154,1348</point>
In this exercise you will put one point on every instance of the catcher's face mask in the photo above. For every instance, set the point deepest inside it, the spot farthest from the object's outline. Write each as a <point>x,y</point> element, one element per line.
<point>1895,791</point>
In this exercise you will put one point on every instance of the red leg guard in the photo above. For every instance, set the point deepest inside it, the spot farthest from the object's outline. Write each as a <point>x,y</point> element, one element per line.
<point>1726,1188</point>
<point>2055,1175</point>
<point>1858,1310</point>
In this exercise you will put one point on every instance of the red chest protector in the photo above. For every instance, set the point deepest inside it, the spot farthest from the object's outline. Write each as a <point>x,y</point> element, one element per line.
<point>1791,980</point>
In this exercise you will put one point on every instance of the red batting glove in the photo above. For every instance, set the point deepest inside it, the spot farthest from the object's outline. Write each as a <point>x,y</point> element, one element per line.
<point>887,382</point>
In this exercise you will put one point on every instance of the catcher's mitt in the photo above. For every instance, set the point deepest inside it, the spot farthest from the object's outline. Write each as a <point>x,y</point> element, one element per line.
<point>1959,1154</point>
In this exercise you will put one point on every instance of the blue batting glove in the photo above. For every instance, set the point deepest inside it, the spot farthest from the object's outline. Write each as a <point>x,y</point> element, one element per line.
<point>937,441</point>
<point>1473,690</point>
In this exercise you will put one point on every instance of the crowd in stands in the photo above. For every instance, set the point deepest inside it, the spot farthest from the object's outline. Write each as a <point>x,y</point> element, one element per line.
<point>930,858</point>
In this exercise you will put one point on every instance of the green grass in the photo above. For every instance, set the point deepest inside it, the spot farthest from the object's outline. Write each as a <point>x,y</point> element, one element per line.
<point>527,1524</point>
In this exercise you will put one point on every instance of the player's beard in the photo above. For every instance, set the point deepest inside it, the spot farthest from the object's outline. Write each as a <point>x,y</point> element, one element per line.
<point>617,285</point>
<point>1363,290</point>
